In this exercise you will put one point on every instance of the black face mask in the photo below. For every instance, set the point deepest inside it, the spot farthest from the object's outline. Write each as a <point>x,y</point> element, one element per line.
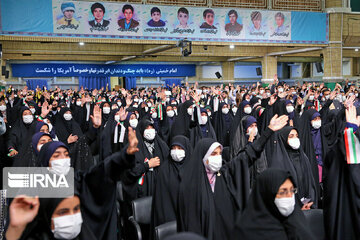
<point>54,108</point>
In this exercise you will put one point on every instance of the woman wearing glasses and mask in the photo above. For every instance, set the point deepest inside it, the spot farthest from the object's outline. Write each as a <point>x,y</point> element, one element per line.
<point>272,212</point>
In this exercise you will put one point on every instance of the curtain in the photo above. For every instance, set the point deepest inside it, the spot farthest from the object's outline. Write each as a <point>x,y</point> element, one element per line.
<point>94,82</point>
<point>33,83</point>
<point>171,81</point>
<point>130,82</point>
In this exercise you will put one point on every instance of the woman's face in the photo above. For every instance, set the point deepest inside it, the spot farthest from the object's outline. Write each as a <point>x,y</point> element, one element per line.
<point>133,116</point>
<point>149,127</point>
<point>68,206</point>
<point>44,129</point>
<point>254,125</point>
<point>286,190</point>
<point>60,153</point>
<point>43,140</point>
<point>176,147</point>
<point>27,112</point>
<point>216,152</point>
<point>293,134</point>
<point>316,119</point>
<point>106,105</point>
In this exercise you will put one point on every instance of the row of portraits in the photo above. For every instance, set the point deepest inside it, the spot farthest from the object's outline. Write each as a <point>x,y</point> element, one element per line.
<point>144,20</point>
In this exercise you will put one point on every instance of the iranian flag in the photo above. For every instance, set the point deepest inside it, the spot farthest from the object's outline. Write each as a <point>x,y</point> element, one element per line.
<point>352,146</point>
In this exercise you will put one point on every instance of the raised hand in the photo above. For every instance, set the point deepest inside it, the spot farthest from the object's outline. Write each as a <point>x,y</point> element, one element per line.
<point>23,210</point>
<point>133,142</point>
<point>123,114</point>
<point>96,117</point>
<point>277,123</point>
<point>349,101</point>
<point>272,100</point>
<point>128,101</point>
<point>350,114</point>
<point>45,109</point>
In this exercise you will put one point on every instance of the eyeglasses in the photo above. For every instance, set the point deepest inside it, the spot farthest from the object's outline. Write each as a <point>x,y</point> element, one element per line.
<point>286,192</point>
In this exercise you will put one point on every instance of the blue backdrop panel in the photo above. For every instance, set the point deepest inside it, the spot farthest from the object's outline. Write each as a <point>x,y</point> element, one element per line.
<point>33,83</point>
<point>94,82</point>
<point>171,81</point>
<point>130,82</point>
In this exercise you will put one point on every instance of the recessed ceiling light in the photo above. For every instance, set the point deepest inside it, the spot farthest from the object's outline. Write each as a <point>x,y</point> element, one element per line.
<point>232,46</point>
<point>356,49</point>
<point>81,43</point>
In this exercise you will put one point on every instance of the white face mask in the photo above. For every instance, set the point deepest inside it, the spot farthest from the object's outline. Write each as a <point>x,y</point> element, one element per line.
<point>175,110</point>
<point>149,104</point>
<point>316,124</point>
<point>311,97</point>
<point>117,118</point>
<point>290,108</point>
<point>190,111</point>
<point>280,90</point>
<point>2,108</point>
<point>293,93</point>
<point>285,205</point>
<point>149,134</point>
<point>327,97</point>
<point>78,103</point>
<point>136,100</point>
<point>344,98</point>
<point>234,109</point>
<point>28,119</point>
<point>60,166</point>
<point>67,116</point>
<point>204,119</point>
<point>225,110</point>
<point>268,94</point>
<point>119,104</point>
<point>154,115</point>
<point>261,92</point>
<point>39,147</point>
<point>106,110</point>
<point>146,109</point>
<point>247,110</point>
<point>294,143</point>
<point>209,114</point>
<point>170,113</point>
<point>32,110</point>
<point>177,154</point>
<point>67,227</point>
<point>135,106</point>
<point>133,123</point>
<point>254,130</point>
<point>215,163</point>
